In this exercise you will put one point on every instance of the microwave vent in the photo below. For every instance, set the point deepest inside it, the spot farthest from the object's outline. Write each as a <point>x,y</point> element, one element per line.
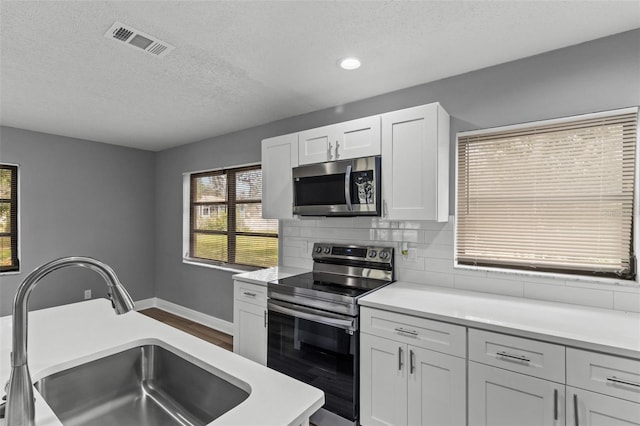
<point>138,39</point>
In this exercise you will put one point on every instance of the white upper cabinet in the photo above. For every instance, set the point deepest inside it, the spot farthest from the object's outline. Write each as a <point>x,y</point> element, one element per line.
<point>279,156</point>
<point>415,163</point>
<point>351,139</point>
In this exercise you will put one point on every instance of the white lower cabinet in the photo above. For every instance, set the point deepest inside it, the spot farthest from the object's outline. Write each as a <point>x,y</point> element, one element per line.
<point>503,397</point>
<point>405,384</point>
<point>586,408</point>
<point>602,389</point>
<point>250,321</point>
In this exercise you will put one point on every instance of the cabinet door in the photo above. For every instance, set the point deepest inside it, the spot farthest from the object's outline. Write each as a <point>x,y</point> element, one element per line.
<point>594,409</point>
<point>250,331</point>
<point>357,138</point>
<point>415,163</point>
<point>279,156</point>
<point>383,381</point>
<point>317,145</point>
<point>501,397</point>
<point>436,388</point>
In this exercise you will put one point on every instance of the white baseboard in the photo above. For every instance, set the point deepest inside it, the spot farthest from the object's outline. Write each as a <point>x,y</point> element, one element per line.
<point>190,314</point>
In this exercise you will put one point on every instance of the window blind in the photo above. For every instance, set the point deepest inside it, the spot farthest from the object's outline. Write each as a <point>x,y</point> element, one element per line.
<point>9,218</point>
<point>554,196</point>
<point>226,219</point>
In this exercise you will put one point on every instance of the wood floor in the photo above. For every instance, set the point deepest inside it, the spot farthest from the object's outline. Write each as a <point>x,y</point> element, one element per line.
<point>210,335</point>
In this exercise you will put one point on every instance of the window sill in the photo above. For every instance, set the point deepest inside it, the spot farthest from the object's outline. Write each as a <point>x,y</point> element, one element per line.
<point>189,261</point>
<point>634,284</point>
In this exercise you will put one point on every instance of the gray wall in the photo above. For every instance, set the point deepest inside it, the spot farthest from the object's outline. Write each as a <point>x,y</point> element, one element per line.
<point>81,198</point>
<point>594,76</point>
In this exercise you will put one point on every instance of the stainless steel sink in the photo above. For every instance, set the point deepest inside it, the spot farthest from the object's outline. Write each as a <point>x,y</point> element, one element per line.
<point>145,385</point>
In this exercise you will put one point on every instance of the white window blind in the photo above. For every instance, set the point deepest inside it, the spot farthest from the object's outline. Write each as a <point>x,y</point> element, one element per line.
<point>555,196</point>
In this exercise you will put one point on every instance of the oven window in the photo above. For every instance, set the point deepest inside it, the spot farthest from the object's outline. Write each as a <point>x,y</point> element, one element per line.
<point>320,190</point>
<point>317,354</point>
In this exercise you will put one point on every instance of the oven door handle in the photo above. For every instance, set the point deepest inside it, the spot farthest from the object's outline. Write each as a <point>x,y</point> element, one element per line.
<point>313,315</point>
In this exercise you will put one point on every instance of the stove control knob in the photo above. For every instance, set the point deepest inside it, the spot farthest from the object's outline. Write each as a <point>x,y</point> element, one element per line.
<point>373,253</point>
<point>318,249</point>
<point>327,250</point>
<point>384,255</point>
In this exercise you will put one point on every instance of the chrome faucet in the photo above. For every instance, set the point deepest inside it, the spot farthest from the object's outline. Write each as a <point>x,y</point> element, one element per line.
<point>20,409</point>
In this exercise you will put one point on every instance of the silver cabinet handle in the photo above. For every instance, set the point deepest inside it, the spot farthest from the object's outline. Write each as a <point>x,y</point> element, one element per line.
<point>266,322</point>
<point>516,357</point>
<point>248,293</point>
<point>403,331</point>
<point>555,404</point>
<point>337,146</point>
<point>399,358</point>
<point>385,210</point>
<point>412,365</point>
<point>329,151</point>
<point>614,379</point>
<point>576,419</point>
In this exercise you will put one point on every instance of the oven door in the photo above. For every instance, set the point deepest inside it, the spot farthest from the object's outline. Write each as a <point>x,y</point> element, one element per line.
<point>318,348</point>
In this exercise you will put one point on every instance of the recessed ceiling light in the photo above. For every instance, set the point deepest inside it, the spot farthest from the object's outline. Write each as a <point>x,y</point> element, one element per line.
<point>349,63</point>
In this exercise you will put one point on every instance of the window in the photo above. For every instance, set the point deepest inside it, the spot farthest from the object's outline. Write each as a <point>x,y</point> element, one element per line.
<point>8,218</point>
<point>226,224</point>
<point>553,196</point>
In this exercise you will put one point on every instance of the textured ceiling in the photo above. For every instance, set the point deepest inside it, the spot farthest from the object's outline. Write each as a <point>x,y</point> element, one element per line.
<point>238,64</point>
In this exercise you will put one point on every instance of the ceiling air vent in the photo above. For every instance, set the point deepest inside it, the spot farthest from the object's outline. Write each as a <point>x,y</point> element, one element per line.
<point>138,39</point>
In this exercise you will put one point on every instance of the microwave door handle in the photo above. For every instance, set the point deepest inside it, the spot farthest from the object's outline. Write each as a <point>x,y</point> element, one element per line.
<point>347,187</point>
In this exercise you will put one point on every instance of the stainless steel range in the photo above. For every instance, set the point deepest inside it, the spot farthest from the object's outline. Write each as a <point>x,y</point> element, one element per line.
<point>313,323</point>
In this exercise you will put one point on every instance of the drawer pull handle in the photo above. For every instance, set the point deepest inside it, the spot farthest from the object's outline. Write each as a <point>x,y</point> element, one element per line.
<point>409,332</point>
<point>399,358</point>
<point>511,356</point>
<point>412,361</point>
<point>576,419</point>
<point>555,404</point>
<point>614,379</point>
<point>248,293</point>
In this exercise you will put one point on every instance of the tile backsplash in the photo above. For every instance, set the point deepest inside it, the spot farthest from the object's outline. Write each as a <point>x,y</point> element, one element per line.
<point>430,261</point>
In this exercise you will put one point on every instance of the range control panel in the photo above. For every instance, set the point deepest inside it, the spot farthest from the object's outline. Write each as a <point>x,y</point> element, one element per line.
<point>328,251</point>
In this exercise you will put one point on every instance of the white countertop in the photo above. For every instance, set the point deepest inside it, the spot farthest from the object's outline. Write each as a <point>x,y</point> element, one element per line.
<point>66,336</point>
<point>596,329</point>
<point>263,276</point>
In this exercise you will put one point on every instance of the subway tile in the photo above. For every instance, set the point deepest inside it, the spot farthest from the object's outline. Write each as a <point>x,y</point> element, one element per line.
<point>409,275</point>
<point>336,222</point>
<point>298,262</point>
<point>300,243</point>
<point>290,231</point>
<point>628,302</point>
<point>489,285</point>
<point>401,262</point>
<point>441,237</point>
<point>436,251</point>
<point>439,279</point>
<point>572,295</point>
<point>439,265</point>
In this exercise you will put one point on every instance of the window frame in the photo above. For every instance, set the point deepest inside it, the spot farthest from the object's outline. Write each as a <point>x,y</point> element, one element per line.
<point>14,231</point>
<point>231,232</point>
<point>573,276</point>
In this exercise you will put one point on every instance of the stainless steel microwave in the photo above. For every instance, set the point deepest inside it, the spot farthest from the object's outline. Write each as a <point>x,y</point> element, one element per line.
<point>338,188</point>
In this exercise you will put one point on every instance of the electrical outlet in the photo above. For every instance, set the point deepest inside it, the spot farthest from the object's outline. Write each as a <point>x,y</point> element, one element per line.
<point>87,294</point>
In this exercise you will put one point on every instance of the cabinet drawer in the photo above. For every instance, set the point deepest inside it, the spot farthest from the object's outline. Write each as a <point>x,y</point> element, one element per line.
<point>607,374</point>
<point>538,359</point>
<point>252,293</point>
<point>421,332</point>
